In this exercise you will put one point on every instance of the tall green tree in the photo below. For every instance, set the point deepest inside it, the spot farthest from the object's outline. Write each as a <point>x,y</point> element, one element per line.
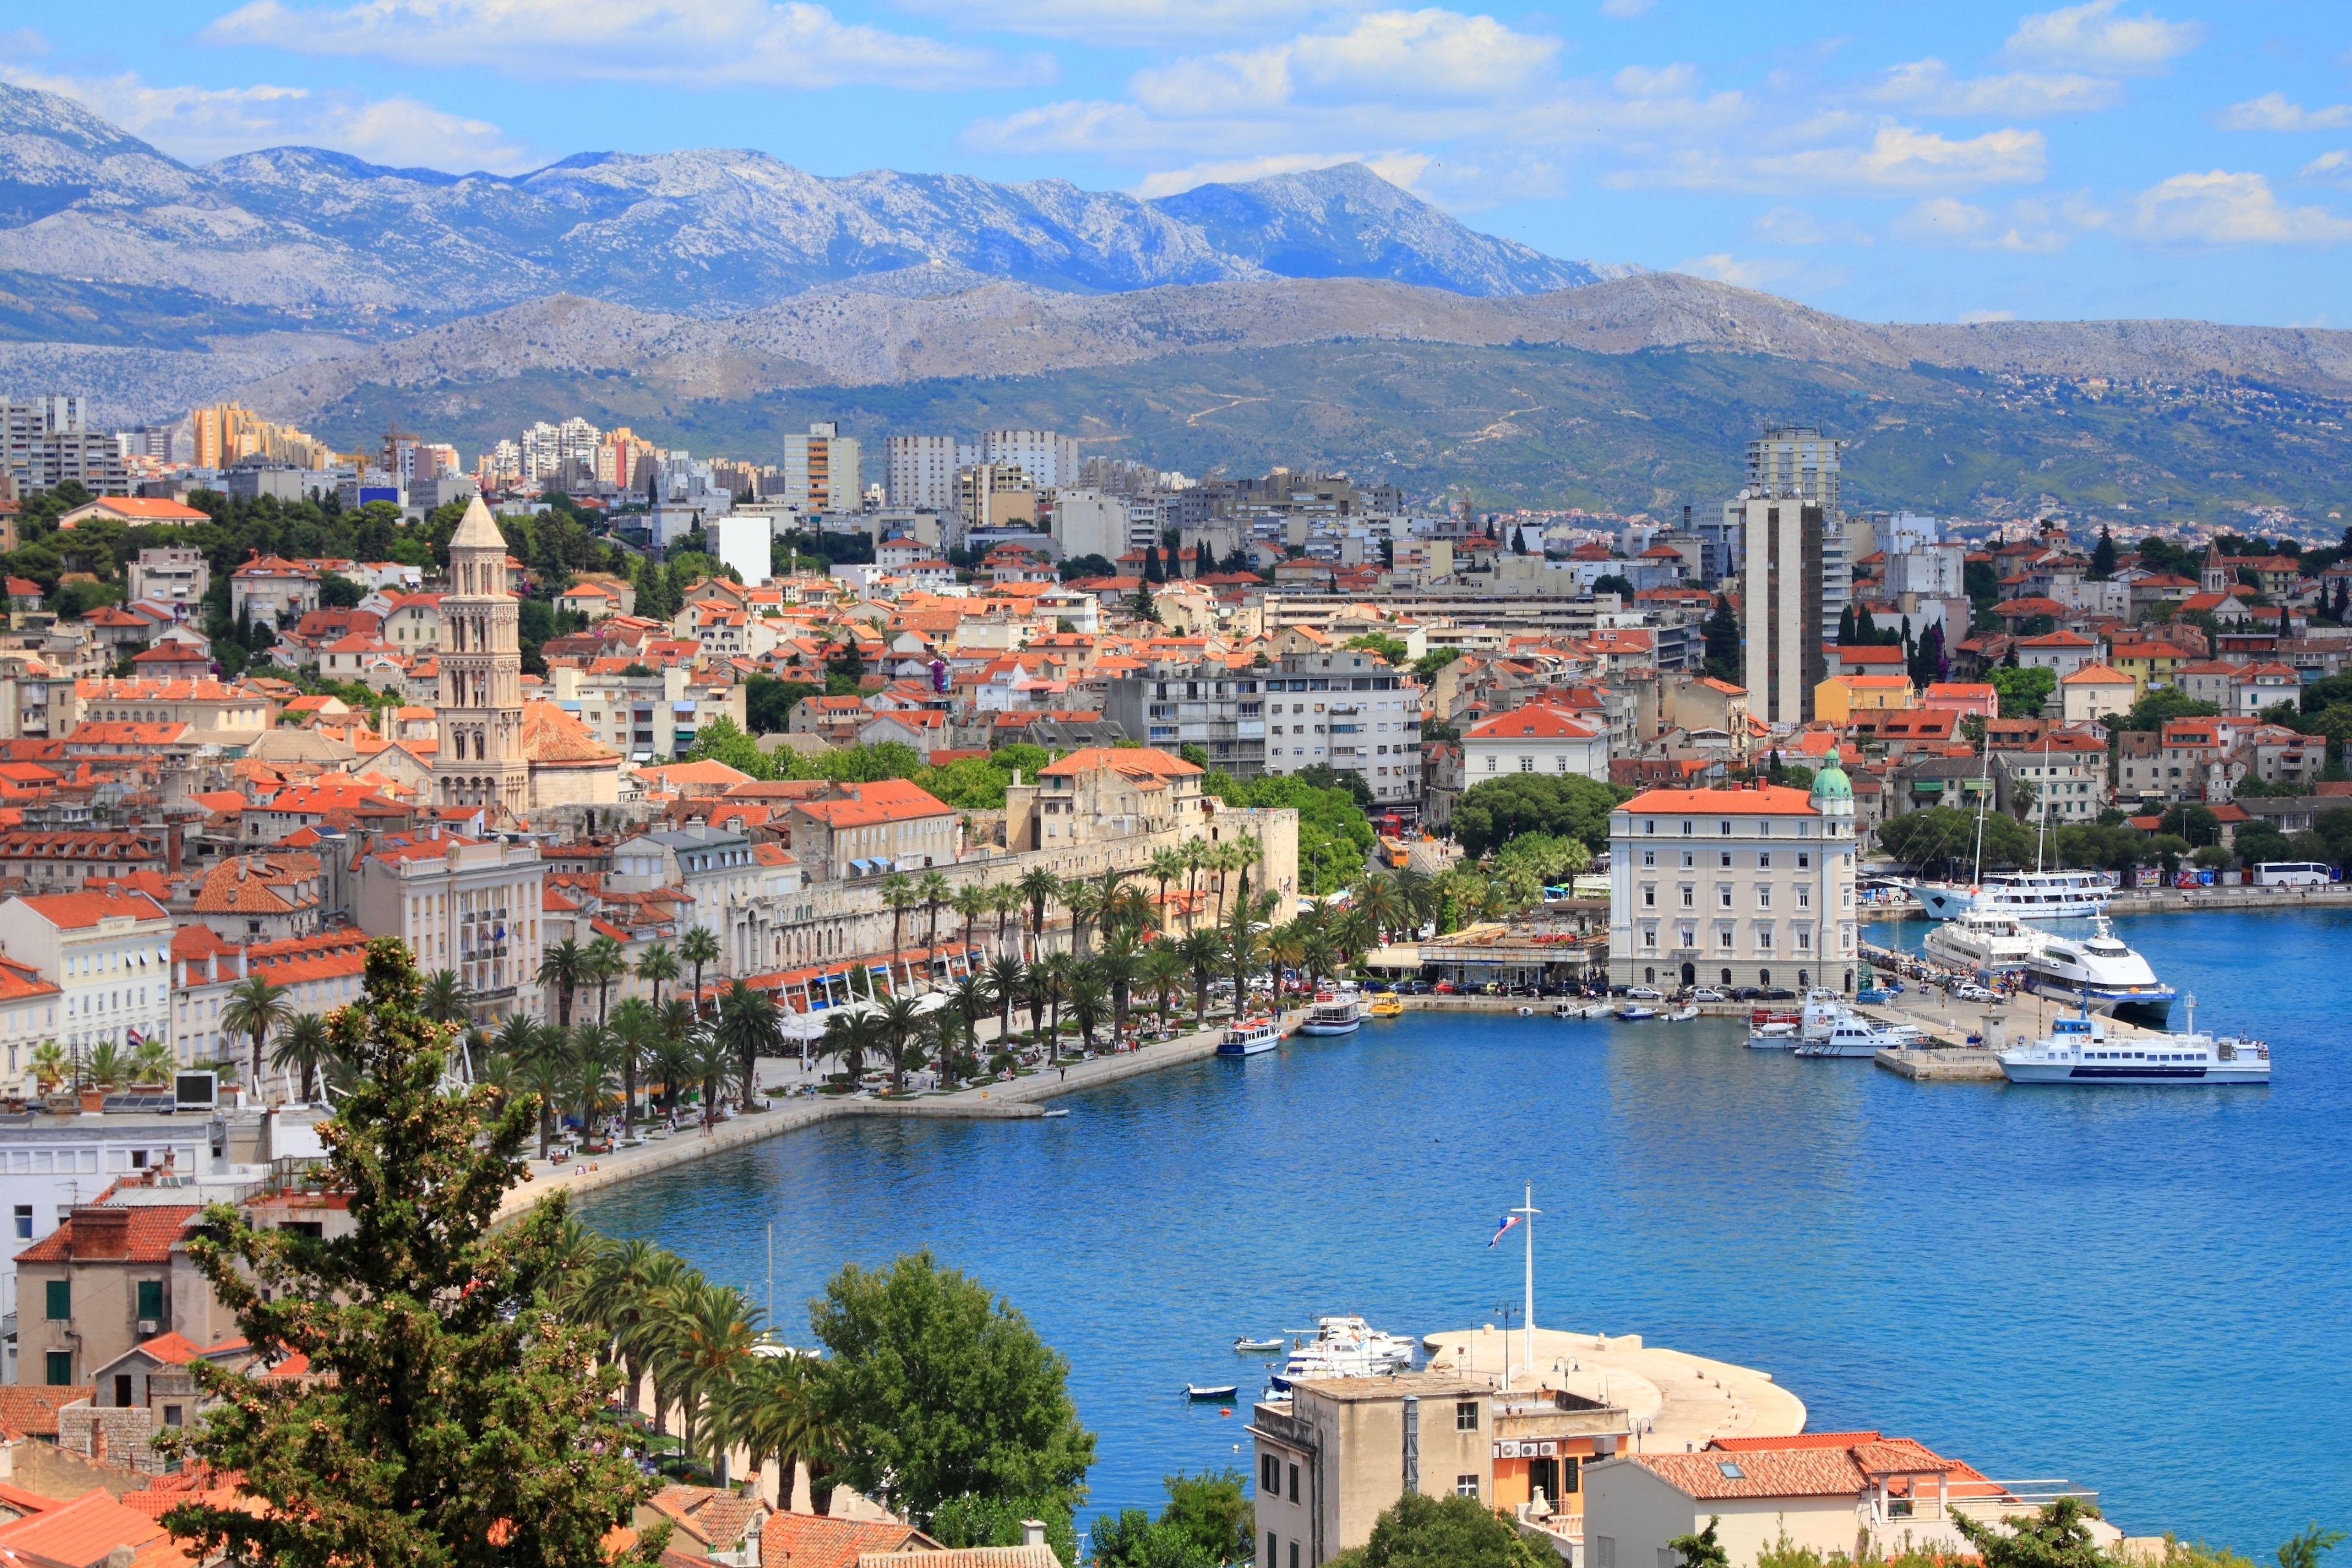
<point>452,1419</point>
<point>256,1008</point>
<point>1420,1532</point>
<point>938,1392</point>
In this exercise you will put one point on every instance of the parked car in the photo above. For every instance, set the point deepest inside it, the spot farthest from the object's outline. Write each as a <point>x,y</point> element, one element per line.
<point>1443,988</point>
<point>1646,994</point>
<point>1775,993</point>
<point>1706,993</point>
<point>1969,991</point>
<point>1412,988</point>
<point>1745,993</point>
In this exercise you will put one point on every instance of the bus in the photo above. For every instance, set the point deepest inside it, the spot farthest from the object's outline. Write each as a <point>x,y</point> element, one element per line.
<point>2293,874</point>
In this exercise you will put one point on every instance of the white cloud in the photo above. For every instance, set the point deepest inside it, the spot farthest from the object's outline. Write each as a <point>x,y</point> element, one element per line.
<point>1429,53</point>
<point>1982,317</point>
<point>1795,225</point>
<point>2272,111</point>
<point>1902,158</point>
<point>1129,23</point>
<point>1944,222</point>
<point>2222,208</point>
<point>691,43</point>
<point>1625,10</point>
<point>1740,272</point>
<point>2093,38</point>
<point>199,124</point>
<point>1668,81</point>
<point>1928,86</point>
<point>2327,165</point>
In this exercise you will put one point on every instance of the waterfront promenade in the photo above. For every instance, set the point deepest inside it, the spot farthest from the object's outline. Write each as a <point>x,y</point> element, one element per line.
<point>1676,1401</point>
<point>1019,1100</point>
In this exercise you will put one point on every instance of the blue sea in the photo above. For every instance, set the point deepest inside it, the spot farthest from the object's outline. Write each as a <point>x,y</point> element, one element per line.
<point>2143,1290</point>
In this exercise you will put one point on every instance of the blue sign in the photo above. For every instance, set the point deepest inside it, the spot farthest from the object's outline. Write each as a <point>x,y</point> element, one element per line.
<point>378,492</point>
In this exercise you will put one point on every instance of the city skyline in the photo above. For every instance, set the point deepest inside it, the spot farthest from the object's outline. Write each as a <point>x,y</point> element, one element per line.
<point>2180,158</point>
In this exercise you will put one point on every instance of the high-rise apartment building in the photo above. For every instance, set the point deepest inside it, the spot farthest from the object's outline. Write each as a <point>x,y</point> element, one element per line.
<point>555,451</point>
<point>995,495</point>
<point>1796,462</point>
<point>1780,593</point>
<point>227,434</point>
<point>920,471</point>
<point>45,441</point>
<point>820,470</point>
<point>1051,461</point>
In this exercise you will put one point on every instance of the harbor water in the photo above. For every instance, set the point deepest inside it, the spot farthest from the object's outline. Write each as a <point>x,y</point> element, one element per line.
<point>2143,1290</point>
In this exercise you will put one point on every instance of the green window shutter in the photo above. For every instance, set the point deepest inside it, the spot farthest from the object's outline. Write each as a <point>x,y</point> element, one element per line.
<point>61,1369</point>
<point>60,1299</point>
<point>151,1299</point>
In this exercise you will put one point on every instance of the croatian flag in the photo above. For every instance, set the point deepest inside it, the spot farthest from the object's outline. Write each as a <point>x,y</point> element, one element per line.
<point>1505,1229</point>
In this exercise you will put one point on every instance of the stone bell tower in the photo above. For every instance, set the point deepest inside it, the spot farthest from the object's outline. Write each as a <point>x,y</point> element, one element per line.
<point>480,761</point>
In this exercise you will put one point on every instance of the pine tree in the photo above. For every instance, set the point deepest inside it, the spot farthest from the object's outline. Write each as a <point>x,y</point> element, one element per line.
<point>450,1418</point>
<point>1723,642</point>
<point>1145,610</point>
<point>2102,554</point>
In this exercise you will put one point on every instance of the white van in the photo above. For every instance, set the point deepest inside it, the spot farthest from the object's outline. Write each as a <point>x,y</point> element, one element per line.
<point>2293,874</point>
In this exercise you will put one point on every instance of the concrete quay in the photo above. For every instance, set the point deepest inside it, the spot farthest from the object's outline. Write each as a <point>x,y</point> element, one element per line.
<point>1951,1059</point>
<point>1676,1401</point>
<point>1021,1099</point>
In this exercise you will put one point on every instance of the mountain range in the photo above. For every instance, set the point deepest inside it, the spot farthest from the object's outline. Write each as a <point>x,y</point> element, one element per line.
<point>716,300</point>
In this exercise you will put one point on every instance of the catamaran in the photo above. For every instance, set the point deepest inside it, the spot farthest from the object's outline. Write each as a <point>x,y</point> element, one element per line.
<point>2101,973</point>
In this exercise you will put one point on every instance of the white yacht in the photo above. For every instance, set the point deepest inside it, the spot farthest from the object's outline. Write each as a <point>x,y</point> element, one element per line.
<point>1248,1036</point>
<point>1983,941</point>
<point>2079,1050</point>
<point>1341,1347</point>
<point>2100,973</point>
<point>2029,895</point>
<point>1337,1011</point>
<point>1771,1029</point>
<point>1833,1030</point>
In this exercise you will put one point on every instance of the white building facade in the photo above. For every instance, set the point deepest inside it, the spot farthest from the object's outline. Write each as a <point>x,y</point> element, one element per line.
<point>1535,739</point>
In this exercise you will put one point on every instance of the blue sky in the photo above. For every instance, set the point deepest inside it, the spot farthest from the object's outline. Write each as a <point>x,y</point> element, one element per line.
<point>1896,160</point>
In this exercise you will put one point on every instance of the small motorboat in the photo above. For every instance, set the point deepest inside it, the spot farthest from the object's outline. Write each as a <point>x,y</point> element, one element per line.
<point>1527,1012</point>
<point>1213,1391</point>
<point>1386,1005</point>
<point>1248,1346</point>
<point>1567,1010</point>
<point>1051,1114</point>
<point>1636,1013</point>
<point>1683,1015</point>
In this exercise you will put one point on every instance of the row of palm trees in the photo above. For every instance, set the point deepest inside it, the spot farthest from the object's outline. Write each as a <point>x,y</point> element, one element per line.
<point>697,1348</point>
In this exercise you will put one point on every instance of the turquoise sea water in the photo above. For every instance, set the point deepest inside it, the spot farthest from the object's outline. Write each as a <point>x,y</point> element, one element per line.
<point>2143,1290</point>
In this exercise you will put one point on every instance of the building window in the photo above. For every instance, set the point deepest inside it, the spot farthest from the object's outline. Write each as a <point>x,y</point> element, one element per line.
<point>1269,1475</point>
<point>61,1369</point>
<point>1607,1552</point>
<point>1272,1551</point>
<point>1764,862</point>
<point>60,1300</point>
<point>1763,897</point>
<point>1649,896</point>
<point>1294,1483</point>
<point>1465,1417</point>
<point>1466,1486</point>
<point>150,1301</point>
<point>1527,764</point>
<point>24,1222</point>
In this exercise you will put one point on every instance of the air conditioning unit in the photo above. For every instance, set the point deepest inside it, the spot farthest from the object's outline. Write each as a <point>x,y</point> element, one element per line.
<point>147,1328</point>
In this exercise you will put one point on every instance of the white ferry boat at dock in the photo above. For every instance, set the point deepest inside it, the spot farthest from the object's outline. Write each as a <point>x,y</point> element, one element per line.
<point>2028,895</point>
<point>1248,1036</point>
<point>1337,1011</point>
<point>1830,1028</point>
<point>2079,1050</point>
<point>1983,942</point>
<point>2100,973</point>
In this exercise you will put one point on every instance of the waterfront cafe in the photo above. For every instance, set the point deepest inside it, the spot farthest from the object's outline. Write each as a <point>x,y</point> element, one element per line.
<point>827,985</point>
<point>1569,945</point>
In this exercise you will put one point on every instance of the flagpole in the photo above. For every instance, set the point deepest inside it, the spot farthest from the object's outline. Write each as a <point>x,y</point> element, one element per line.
<point>1527,1316</point>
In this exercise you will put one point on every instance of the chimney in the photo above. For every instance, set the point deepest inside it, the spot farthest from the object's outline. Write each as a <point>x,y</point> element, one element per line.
<point>100,1232</point>
<point>1033,1532</point>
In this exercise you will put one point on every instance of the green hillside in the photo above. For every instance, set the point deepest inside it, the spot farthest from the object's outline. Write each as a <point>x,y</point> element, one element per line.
<point>1534,427</point>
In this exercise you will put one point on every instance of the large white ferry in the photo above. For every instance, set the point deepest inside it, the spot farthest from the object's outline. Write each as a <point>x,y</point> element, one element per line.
<point>1983,941</point>
<point>1248,1036</point>
<point>2100,973</point>
<point>2079,1050</point>
<point>2028,895</point>
<point>1337,1011</point>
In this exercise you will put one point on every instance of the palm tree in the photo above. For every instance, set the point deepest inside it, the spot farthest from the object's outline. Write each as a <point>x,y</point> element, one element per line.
<point>48,1064</point>
<point>152,1063</point>
<point>563,967</point>
<point>1162,971</point>
<point>541,1057</point>
<point>969,999</point>
<point>711,1061</point>
<point>256,1008</point>
<point>898,892</point>
<point>673,1063</point>
<point>1004,982</point>
<point>1382,902</point>
<point>1287,949</point>
<point>1117,966</point>
<point>1039,887</point>
<point>1196,853</point>
<point>444,998</point>
<point>933,890</point>
<point>1088,999</point>
<point>1244,950</point>
<point>1417,890</point>
<point>605,961</point>
<point>711,1340</point>
<point>589,1089</point>
<point>105,1064</point>
<point>1353,934</point>
<point>656,966</point>
<point>902,1038</point>
<point>1222,860</point>
<point>1202,953</point>
<point>625,1277</point>
<point>635,1026</point>
<point>750,1026</point>
<point>1085,901</point>
<point>848,1036</point>
<point>545,1078</point>
<point>303,1046</point>
<point>697,947</point>
<point>951,1041</point>
<point>1165,866</point>
<point>973,903</point>
<point>770,1412</point>
<point>1005,900</point>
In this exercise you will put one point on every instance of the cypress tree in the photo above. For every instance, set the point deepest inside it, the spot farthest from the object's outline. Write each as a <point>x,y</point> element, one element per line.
<point>2102,554</point>
<point>1845,627</point>
<point>450,1417</point>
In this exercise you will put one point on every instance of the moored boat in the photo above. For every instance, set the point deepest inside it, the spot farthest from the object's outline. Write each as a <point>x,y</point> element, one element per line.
<point>2101,973</point>
<point>1986,942</point>
<point>2079,1050</point>
<point>1211,1391</point>
<point>1244,1345</point>
<point>1337,1011</point>
<point>1385,1005</point>
<point>1635,1013</point>
<point>1770,1030</point>
<point>1683,1014</point>
<point>1248,1036</point>
<point>2030,895</point>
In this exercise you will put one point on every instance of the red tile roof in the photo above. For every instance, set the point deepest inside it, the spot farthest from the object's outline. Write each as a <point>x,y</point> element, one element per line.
<point>32,1408</point>
<point>148,1235</point>
<point>75,911</point>
<point>1772,800</point>
<point>816,1541</point>
<point>886,800</point>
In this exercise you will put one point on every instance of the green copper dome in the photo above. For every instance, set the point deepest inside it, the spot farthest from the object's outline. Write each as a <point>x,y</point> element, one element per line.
<point>1830,783</point>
